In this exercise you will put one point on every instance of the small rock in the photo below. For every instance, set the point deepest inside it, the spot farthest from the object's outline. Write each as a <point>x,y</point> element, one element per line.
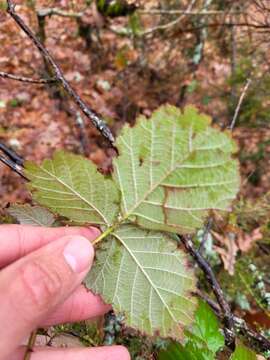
<point>104,85</point>
<point>15,144</point>
<point>23,97</point>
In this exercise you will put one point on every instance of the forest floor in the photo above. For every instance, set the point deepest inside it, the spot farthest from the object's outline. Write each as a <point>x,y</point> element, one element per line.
<point>35,123</point>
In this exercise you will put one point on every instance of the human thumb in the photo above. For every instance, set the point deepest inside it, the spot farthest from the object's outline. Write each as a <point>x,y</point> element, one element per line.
<point>35,285</point>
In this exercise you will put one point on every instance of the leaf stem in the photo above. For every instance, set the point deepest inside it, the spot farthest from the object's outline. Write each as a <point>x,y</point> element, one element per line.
<point>104,234</point>
<point>30,345</point>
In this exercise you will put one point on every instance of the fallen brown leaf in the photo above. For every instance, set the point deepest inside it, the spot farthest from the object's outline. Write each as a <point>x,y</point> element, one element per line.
<point>246,241</point>
<point>227,250</point>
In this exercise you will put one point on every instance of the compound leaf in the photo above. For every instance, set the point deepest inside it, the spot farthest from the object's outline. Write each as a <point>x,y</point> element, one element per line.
<point>174,168</point>
<point>72,187</point>
<point>145,276</point>
<point>31,215</point>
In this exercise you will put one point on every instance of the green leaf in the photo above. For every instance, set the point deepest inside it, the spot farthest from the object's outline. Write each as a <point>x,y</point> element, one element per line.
<point>206,329</point>
<point>177,351</point>
<point>31,215</point>
<point>71,186</point>
<point>147,278</point>
<point>203,341</point>
<point>243,353</point>
<point>173,169</point>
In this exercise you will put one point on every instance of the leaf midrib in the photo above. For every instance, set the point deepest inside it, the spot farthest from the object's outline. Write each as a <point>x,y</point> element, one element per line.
<point>146,275</point>
<point>171,170</point>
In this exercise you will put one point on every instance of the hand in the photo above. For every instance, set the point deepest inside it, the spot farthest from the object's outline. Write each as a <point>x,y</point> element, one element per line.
<point>40,277</point>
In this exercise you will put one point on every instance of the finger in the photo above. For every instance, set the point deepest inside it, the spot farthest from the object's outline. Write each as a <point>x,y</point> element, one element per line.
<point>81,305</point>
<point>17,241</point>
<point>99,353</point>
<point>35,285</point>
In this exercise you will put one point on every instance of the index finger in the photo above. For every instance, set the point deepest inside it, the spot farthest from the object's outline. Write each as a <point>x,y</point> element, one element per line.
<point>17,241</point>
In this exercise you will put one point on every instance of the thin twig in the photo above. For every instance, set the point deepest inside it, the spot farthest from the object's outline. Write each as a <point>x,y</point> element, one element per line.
<point>215,307</point>
<point>209,25</point>
<point>225,308</point>
<point>26,79</point>
<point>188,12</point>
<point>230,23</point>
<point>57,93</point>
<point>13,156</point>
<point>13,166</point>
<point>12,160</point>
<point>30,345</point>
<point>91,114</point>
<point>185,12</point>
<point>122,31</point>
<point>172,23</point>
<point>240,102</point>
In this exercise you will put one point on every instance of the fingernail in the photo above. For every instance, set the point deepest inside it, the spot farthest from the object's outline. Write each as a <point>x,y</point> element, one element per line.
<point>79,254</point>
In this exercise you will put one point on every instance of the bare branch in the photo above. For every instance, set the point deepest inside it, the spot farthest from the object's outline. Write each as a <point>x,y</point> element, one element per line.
<point>13,166</point>
<point>13,156</point>
<point>12,160</point>
<point>121,31</point>
<point>256,341</point>
<point>91,114</point>
<point>186,12</point>
<point>227,315</point>
<point>26,79</point>
<point>172,23</point>
<point>230,24</point>
<point>240,102</point>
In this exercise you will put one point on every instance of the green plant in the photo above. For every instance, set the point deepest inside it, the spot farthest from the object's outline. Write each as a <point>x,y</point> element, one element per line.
<point>243,353</point>
<point>171,170</point>
<point>255,107</point>
<point>202,341</point>
<point>14,103</point>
